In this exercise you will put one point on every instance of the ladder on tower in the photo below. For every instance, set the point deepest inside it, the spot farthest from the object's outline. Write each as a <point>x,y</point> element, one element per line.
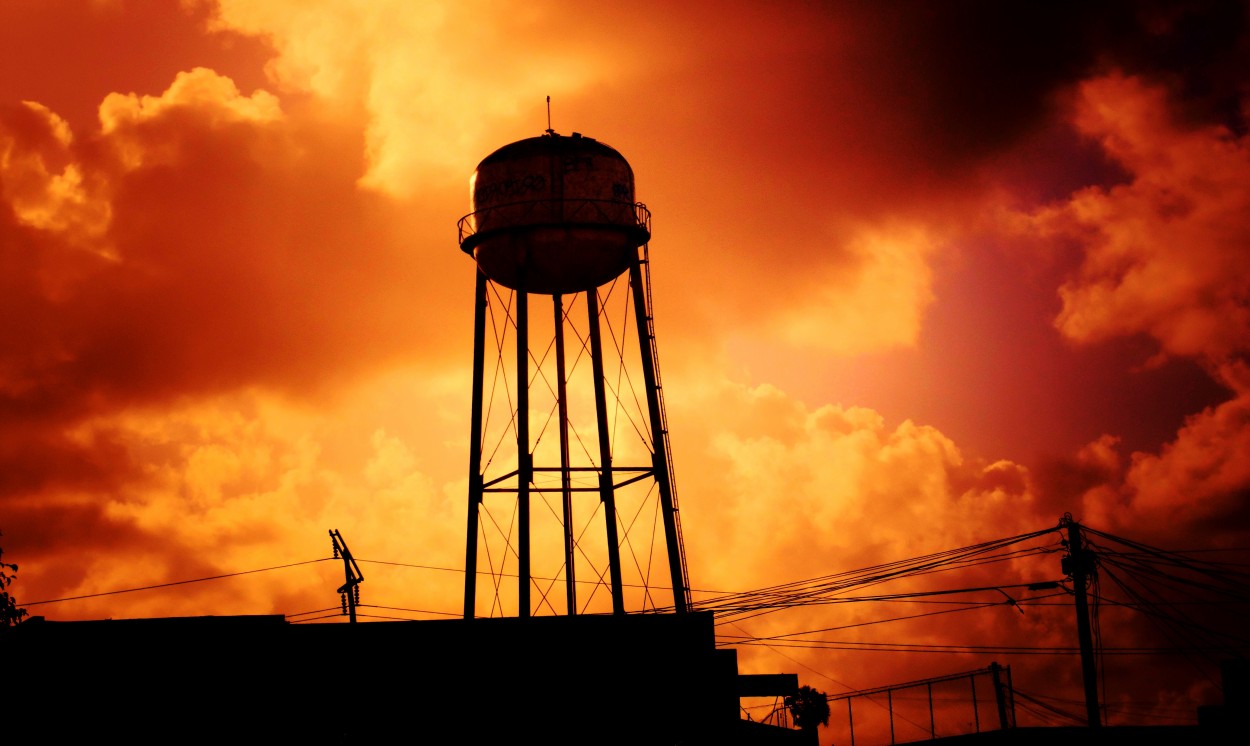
<point>665,445</point>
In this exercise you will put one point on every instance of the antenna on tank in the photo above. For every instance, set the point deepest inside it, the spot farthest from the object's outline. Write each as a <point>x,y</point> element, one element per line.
<point>549,130</point>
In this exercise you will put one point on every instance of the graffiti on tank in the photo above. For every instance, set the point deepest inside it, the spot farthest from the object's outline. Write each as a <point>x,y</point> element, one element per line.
<point>578,163</point>
<point>509,190</point>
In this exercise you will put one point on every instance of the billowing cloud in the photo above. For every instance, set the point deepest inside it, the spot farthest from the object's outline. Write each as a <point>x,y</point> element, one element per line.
<point>44,190</point>
<point>874,301</point>
<point>433,78</point>
<point>1161,256</point>
<point>1161,252</point>
<point>1203,478</point>
<point>201,242</point>
<point>207,480</point>
<point>778,469</point>
<point>138,246</point>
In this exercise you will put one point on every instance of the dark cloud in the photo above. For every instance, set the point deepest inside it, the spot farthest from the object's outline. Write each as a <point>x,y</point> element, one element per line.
<point>69,54</point>
<point>35,459</point>
<point>1200,50</point>
<point>196,243</point>
<point>969,79</point>
<point>231,253</point>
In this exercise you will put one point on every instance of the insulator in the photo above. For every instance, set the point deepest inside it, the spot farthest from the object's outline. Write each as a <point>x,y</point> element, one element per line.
<point>356,589</point>
<point>336,550</point>
<point>343,602</point>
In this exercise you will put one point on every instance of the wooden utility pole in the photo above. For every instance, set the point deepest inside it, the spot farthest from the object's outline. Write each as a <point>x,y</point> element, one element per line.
<point>1079,565</point>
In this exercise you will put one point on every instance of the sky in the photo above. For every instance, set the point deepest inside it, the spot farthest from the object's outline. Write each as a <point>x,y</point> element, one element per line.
<point>924,275</point>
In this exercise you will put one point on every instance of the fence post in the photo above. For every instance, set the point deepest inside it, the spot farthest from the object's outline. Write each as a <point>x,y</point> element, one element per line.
<point>976,712</point>
<point>932,725</point>
<point>850,719</point>
<point>889,698</point>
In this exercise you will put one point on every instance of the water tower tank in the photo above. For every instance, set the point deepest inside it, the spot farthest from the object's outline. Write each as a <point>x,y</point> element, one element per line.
<point>554,214</point>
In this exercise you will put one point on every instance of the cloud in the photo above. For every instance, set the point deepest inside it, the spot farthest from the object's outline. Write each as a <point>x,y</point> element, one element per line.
<point>1192,492</point>
<point>1162,252</point>
<point>777,469</point>
<point>789,493</point>
<point>874,301</point>
<point>200,243</point>
<point>129,120</point>
<point>44,190</point>
<point>1161,255</point>
<point>1197,485</point>
<point>188,246</point>
<point>207,479</point>
<point>432,77</point>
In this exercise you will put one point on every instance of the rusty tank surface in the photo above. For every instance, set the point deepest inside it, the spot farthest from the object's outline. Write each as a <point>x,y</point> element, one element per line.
<point>553,215</point>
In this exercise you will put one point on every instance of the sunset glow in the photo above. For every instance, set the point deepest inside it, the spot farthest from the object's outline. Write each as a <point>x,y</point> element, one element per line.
<point>924,275</point>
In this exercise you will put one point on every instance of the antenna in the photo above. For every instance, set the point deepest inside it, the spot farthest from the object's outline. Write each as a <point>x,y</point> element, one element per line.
<point>549,130</point>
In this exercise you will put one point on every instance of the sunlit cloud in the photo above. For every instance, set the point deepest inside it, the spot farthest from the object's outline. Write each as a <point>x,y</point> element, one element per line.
<point>773,468</point>
<point>1163,255</point>
<point>213,100</point>
<point>432,77</point>
<point>43,185</point>
<point>1163,251</point>
<point>872,300</point>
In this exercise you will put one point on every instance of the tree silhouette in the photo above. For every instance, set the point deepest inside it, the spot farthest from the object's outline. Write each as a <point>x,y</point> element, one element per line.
<point>10,614</point>
<point>809,708</point>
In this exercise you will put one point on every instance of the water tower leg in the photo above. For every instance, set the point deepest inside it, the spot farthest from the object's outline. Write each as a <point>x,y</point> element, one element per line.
<point>525,462</point>
<point>475,448</point>
<point>659,438</point>
<point>566,481</point>
<point>606,489</point>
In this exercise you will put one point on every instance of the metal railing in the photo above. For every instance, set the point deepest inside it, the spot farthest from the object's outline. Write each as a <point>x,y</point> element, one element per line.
<point>545,213</point>
<point>999,683</point>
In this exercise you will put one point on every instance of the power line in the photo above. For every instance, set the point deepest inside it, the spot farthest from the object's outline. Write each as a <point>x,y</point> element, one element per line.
<point>415,611</point>
<point>1046,708</point>
<point>176,582</point>
<point>316,611</point>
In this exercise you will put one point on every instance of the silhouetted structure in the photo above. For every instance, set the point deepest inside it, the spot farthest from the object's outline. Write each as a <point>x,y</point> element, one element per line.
<point>636,679</point>
<point>1230,720</point>
<point>556,216</point>
<point>1218,725</point>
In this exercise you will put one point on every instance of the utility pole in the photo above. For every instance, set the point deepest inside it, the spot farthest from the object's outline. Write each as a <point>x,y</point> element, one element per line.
<point>349,592</point>
<point>1000,695</point>
<point>1079,565</point>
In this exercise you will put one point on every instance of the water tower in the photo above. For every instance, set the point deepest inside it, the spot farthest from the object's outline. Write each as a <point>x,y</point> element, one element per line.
<point>569,460</point>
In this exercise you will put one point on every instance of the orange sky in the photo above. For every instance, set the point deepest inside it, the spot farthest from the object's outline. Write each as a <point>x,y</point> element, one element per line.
<point>924,275</point>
